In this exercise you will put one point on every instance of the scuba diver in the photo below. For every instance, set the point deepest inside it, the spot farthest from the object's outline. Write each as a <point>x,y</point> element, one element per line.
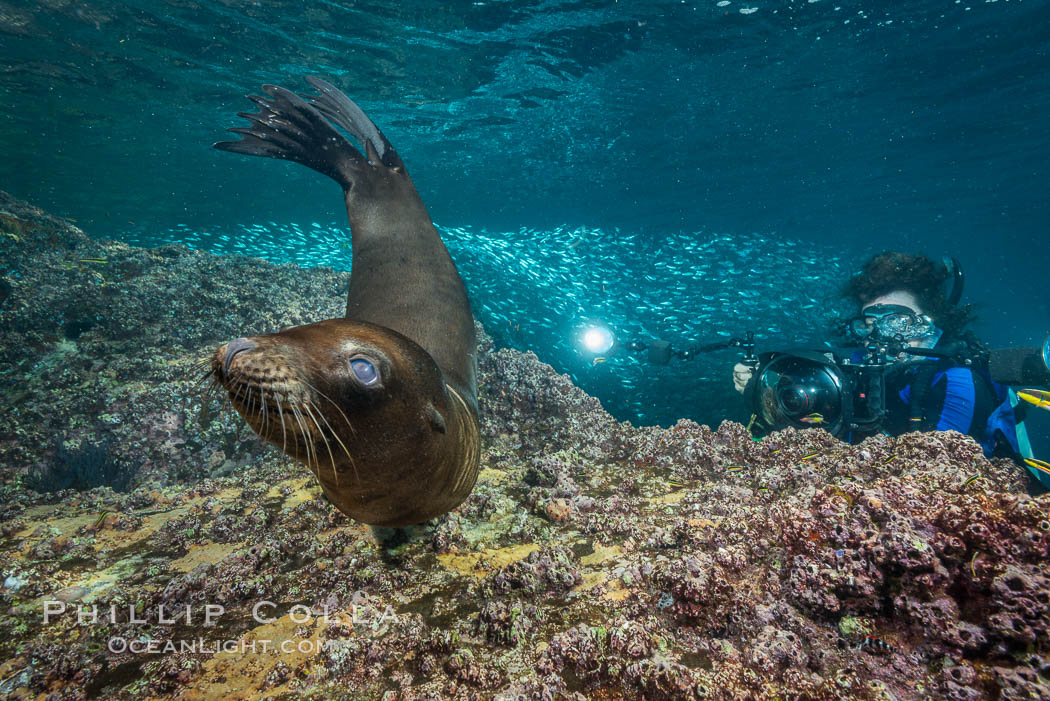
<point>906,363</point>
<point>901,295</point>
<point>918,346</point>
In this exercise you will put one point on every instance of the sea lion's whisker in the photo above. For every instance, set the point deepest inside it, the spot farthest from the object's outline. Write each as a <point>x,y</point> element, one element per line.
<point>203,390</point>
<point>340,441</point>
<point>262,409</point>
<point>262,421</point>
<point>331,457</point>
<point>207,396</point>
<point>300,439</point>
<point>338,408</point>
<point>248,403</point>
<point>248,409</point>
<point>214,385</point>
<point>227,403</point>
<point>199,366</point>
<point>297,437</point>
<point>307,443</point>
<point>236,395</point>
<point>202,378</point>
<point>208,381</point>
<point>284,434</point>
<point>335,433</point>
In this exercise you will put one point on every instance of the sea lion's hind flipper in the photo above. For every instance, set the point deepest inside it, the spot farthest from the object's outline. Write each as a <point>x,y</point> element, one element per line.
<point>344,112</point>
<point>289,128</point>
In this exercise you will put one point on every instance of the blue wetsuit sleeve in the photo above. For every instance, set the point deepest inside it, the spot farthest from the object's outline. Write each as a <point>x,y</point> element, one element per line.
<point>956,394</point>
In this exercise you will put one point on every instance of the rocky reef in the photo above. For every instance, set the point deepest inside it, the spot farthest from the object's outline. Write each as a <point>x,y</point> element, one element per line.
<point>594,558</point>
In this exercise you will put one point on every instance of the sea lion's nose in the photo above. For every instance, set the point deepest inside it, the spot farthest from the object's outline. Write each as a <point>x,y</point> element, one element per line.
<point>238,345</point>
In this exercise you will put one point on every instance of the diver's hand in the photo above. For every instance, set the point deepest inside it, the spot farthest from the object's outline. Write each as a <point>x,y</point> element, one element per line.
<point>741,376</point>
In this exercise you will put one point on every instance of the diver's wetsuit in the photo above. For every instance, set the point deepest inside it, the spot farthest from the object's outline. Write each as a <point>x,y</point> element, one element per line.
<point>957,399</point>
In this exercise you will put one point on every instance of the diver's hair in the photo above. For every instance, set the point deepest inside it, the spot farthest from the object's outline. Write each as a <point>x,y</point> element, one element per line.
<point>890,271</point>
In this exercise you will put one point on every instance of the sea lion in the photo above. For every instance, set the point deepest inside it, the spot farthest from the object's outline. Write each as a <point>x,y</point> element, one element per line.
<point>381,405</point>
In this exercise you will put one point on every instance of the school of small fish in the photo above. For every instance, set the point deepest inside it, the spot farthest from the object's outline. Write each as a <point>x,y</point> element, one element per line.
<point>536,289</point>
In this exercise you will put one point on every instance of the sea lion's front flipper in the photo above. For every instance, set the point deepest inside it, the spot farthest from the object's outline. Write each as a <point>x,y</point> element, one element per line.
<point>402,277</point>
<point>292,129</point>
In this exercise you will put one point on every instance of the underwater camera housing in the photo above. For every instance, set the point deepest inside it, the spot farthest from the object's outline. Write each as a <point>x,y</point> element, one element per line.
<point>844,389</point>
<point>838,389</point>
<point>806,388</point>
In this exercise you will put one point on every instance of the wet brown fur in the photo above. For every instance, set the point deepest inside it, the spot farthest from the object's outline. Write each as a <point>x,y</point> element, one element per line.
<point>387,456</point>
<point>407,450</point>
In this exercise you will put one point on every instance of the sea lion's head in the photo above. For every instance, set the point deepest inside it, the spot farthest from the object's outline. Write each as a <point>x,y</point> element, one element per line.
<point>361,405</point>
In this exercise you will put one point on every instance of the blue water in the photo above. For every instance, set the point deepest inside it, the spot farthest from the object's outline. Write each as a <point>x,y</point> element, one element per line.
<point>681,170</point>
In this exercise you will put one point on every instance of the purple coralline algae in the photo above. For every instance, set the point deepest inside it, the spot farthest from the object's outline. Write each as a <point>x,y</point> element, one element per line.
<point>594,559</point>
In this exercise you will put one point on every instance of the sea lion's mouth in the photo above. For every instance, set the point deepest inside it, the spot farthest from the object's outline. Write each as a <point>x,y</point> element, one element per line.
<point>249,373</point>
<point>254,399</point>
<point>262,403</point>
<point>259,394</point>
<point>264,391</point>
<point>280,408</point>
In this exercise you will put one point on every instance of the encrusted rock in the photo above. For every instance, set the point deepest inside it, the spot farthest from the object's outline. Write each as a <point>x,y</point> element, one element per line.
<point>594,559</point>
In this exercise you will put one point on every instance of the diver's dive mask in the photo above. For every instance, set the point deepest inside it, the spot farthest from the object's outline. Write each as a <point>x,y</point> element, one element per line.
<point>893,322</point>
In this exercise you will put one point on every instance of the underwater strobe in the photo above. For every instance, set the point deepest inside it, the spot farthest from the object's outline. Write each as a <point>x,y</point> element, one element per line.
<point>597,339</point>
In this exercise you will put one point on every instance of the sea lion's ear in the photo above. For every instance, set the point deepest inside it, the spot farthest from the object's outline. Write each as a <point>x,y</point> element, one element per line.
<point>434,417</point>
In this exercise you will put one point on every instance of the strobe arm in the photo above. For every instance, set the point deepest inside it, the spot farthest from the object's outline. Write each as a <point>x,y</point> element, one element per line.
<point>661,352</point>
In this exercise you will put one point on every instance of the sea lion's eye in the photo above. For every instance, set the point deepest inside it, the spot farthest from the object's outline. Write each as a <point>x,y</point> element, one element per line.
<point>365,371</point>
